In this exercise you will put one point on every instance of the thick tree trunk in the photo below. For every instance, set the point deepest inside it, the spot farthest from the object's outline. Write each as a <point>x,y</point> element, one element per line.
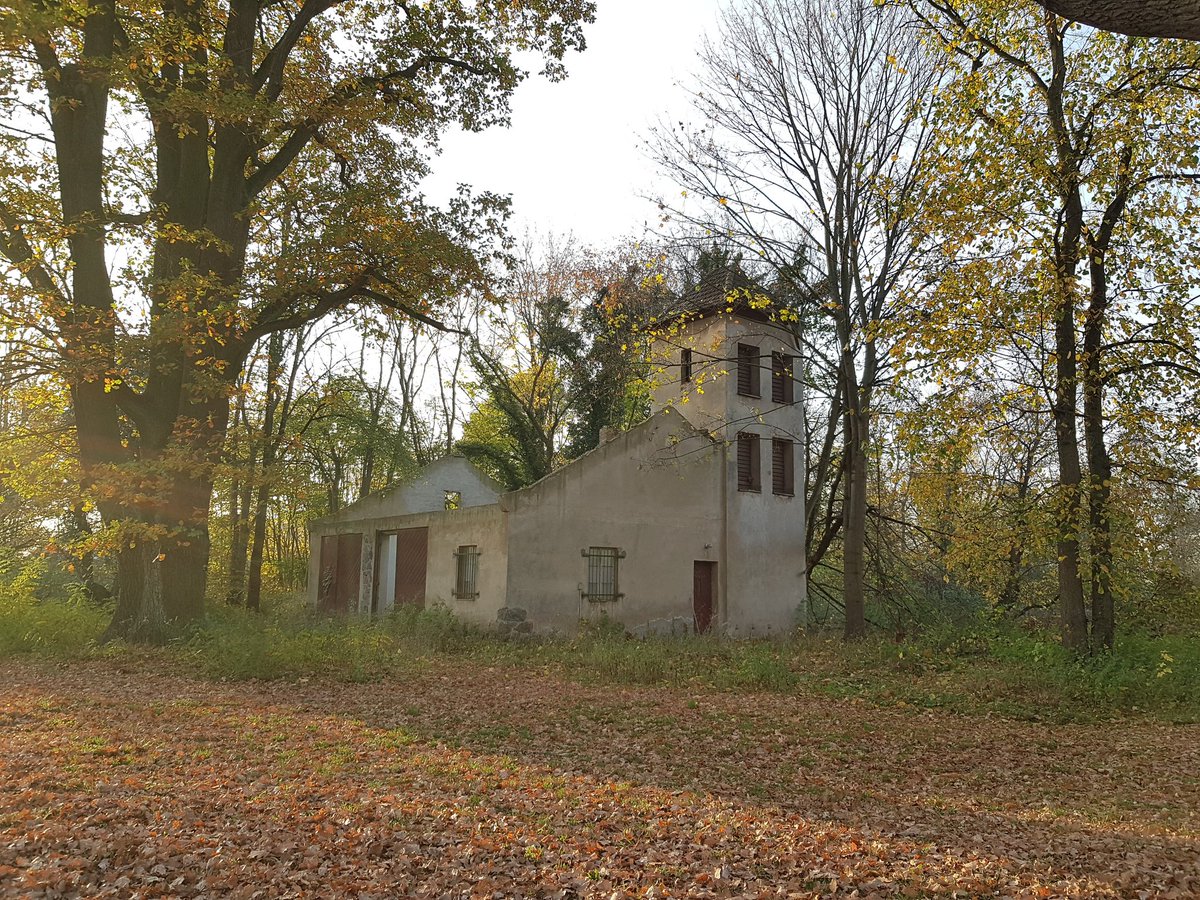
<point>1066,387</point>
<point>1143,18</point>
<point>139,615</point>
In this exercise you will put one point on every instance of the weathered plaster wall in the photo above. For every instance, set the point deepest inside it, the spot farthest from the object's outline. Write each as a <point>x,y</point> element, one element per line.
<point>486,528</point>
<point>654,492</point>
<point>704,399</point>
<point>762,578</point>
<point>665,493</point>
<point>765,533</point>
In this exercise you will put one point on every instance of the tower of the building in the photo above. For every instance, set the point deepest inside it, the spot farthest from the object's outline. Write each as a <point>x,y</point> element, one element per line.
<point>727,364</point>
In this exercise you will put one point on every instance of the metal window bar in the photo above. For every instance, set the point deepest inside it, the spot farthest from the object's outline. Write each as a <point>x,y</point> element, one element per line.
<point>602,581</point>
<point>466,572</point>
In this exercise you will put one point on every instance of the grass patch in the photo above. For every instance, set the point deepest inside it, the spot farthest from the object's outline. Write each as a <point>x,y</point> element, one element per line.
<point>294,643</point>
<point>985,668</point>
<point>56,629</point>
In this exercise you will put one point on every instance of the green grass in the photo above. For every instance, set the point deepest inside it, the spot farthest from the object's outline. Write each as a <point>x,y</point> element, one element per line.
<point>985,668</point>
<point>58,630</point>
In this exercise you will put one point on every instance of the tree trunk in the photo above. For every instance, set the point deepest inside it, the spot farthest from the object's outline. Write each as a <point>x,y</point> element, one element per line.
<point>269,443</point>
<point>1070,480</point>
<point>1066,388</point>
<point>139,616</point>
<point>238,508</point>
<point>1011,591</point>
<point>1099,460</point>
<point>854,528</point>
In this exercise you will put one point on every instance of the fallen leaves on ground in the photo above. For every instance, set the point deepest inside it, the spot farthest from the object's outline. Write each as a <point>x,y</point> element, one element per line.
<point>467,781</point>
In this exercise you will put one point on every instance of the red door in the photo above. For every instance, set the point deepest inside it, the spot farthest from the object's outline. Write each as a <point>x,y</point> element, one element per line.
<point>327,583</point>
<point>703,598</point>
<point>341,564</point>
<point>412,553</point>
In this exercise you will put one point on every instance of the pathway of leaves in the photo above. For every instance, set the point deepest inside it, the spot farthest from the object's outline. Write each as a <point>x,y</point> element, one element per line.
<point>469,782</point>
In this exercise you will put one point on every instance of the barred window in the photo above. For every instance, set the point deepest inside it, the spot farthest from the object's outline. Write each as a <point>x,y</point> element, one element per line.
<point>783,467</point>
<point>749,466</point>
<point>685,365</point>
<point>466,572</point>
<point>747,370</point>
<point>602,581</point>
<point>782,382</point>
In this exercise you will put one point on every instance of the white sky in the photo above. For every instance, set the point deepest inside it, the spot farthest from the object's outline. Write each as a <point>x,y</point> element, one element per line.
<point>572,159</point>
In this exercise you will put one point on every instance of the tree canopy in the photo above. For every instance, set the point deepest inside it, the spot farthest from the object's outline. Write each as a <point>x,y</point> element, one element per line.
<point>180,181</point>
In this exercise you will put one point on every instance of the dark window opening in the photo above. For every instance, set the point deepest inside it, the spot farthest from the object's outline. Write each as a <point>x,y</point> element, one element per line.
<point>602,582</point>
<point>466,572</point>
<point>748,463</point>
<point>747,370</point>
<point>685,365</point>
<point>782,382</point>
<point>783,467</point>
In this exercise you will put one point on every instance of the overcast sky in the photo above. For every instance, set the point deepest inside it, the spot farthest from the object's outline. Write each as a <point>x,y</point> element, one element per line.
<point>572,159</point>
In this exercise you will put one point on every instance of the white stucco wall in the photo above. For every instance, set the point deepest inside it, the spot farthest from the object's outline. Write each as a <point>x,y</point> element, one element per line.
<point>654,492</point>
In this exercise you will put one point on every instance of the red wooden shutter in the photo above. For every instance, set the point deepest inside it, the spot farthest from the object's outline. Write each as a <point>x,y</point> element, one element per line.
<point>747,370</point>
<point>748,463</point>
<point>782,383</point>
<point>783,478</point>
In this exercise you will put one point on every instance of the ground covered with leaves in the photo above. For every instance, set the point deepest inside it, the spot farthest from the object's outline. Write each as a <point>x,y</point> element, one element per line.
<point>460,779</point>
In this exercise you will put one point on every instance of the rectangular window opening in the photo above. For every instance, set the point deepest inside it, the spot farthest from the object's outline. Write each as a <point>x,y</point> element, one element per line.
<point>466,572</point>
<point>747,370</point>
<point>453,499</point>
<point>783,388</point>
<point>602,581</point>
<point>685,365</point>
<point>783,467</point>
<point>749,465</point>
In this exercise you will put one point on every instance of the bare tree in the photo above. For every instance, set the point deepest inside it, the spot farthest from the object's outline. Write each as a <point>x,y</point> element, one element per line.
<point>816,115</point>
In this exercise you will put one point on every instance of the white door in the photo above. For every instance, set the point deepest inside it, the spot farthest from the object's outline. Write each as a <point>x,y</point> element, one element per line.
<point>385,594</point>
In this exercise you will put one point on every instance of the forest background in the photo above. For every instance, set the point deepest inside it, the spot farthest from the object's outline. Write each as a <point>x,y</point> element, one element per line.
<point>227,309</point>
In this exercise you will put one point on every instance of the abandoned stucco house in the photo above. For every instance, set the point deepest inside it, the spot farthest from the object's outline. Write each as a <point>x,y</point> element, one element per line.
<point>692,520</point>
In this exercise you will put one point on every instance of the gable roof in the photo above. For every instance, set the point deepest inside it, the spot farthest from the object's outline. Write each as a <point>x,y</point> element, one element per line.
<point>375,504</point>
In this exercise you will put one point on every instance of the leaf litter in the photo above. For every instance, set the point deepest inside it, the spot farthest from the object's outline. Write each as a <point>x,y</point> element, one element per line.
<point>462,780</point>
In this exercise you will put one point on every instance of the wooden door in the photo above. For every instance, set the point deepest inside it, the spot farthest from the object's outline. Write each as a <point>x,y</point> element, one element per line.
<point>327,576</point>
<point>412,554</point>
<point>703,594</point>
<point>349,571</point>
